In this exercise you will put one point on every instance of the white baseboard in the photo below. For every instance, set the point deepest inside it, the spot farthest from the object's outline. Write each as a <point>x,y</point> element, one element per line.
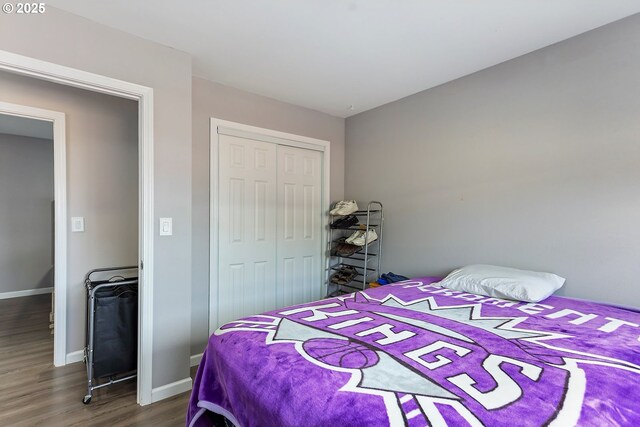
<point>74,357</point>
<point>195,359</point>
<point>25,293</point>
<point>171,389</point>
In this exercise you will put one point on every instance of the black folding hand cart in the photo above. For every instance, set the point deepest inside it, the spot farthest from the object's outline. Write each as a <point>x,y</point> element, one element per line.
<point>111,352</point>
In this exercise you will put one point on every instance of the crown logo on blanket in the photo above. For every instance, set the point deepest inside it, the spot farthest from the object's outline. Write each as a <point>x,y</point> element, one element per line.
<point>469,314</point>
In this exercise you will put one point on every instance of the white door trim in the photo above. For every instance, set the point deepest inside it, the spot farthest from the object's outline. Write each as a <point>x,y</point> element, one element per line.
<point>60,214</point>
<point>261,134</point>
<point>43,70</point>
<point>303,142</point>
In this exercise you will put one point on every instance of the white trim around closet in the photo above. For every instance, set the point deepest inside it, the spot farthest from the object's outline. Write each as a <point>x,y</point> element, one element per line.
<point>224,127</point>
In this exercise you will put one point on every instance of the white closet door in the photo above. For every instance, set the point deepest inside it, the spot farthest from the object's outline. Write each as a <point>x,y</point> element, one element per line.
<point>299,225</point>
<point>247,232</point>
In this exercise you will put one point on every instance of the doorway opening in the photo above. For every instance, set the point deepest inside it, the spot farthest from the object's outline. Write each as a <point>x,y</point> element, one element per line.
<point>27,249</point>
<point>33,195</point>
<point>100,178</point>
<point>143,99</point>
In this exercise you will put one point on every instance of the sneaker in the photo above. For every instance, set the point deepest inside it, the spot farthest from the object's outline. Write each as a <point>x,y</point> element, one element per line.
<point>344,207</point>
<point>364,238</point>
<point>337,207</point>
<point>345,222</point>
<point>346,250</point>
<point>355,235</point>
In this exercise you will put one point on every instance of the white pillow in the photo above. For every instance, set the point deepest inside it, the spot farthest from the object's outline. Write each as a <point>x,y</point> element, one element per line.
<point>503,282</point>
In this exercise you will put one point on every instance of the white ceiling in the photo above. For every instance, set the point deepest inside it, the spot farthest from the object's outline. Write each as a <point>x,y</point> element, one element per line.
<point>330,54</point>
<point>23,126</point>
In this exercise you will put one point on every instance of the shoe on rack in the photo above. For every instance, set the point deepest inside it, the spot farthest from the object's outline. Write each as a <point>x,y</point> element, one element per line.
<point>349,273</point>
<point>345,222</point>
<point>344,207</point>
<point>336,278</point>
<point>336,245</point>
<point>354,235</point>
<point>347,249</point>
<point>364,238</point>
<point>345,275</point>
<point>337,207</point>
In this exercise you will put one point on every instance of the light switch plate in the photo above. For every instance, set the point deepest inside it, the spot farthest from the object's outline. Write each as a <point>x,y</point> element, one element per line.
<point>77,224</point>
<point>166,226</point>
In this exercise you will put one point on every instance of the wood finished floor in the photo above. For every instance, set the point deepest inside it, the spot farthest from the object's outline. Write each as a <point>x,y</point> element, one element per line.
<point>34,393</point>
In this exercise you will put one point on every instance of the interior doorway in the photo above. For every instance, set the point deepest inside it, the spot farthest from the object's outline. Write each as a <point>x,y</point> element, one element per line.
<point>26,235</point>
<point>91,82</point>
<point>34,150</point>
<point>102,176</point>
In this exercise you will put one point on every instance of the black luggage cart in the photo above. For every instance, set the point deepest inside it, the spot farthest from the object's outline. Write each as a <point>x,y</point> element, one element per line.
<point>111,350</point>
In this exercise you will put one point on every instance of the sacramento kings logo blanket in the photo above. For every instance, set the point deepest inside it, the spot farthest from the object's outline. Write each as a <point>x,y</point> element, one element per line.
<point>416,354</point>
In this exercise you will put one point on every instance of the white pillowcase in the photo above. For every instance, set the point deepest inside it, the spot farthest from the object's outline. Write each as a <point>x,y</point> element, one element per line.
<point>503,282</point>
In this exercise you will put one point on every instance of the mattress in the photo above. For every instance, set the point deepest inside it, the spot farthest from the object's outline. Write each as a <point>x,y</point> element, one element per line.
<point>416,354</point>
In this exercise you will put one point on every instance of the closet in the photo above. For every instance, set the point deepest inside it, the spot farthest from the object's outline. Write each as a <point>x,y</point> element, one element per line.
<point>270,228</point>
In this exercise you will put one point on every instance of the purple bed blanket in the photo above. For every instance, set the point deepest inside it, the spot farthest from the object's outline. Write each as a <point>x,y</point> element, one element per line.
<point>416,354</point>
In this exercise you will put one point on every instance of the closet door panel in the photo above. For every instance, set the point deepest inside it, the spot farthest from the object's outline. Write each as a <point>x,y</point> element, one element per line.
<point>299,182</point>
<point>247,232</point>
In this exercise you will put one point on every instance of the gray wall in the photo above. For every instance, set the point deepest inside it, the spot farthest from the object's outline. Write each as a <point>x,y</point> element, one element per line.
<point>533,163</point>
<point>102,181</point>
<point>69,40</point>
<point>223,102</point>
<point>26,213</point>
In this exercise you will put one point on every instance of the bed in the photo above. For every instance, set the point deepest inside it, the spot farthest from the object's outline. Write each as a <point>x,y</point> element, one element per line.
<point>416,354</point>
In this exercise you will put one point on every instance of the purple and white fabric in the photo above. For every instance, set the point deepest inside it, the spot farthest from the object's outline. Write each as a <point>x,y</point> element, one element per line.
<point>416,354</point>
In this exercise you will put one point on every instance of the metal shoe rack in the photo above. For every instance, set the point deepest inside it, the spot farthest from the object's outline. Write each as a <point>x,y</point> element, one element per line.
<point>366,261</point>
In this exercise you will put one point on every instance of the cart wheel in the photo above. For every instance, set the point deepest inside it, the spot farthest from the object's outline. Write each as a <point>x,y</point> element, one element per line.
<point>87,399</point>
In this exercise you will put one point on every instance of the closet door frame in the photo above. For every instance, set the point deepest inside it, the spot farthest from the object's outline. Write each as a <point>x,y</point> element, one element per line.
<point>226,127</point>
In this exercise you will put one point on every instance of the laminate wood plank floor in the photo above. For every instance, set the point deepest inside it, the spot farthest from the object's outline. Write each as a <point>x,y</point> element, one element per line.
<point>34,393</point>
